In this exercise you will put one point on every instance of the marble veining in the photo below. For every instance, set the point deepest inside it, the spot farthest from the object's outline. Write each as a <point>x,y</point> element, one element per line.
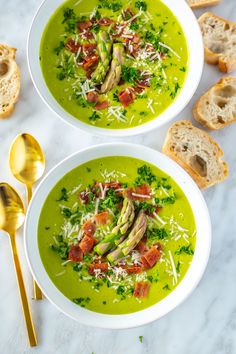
<point>206,322</point>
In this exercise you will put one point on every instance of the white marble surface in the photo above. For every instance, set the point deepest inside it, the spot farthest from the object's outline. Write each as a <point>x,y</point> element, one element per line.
<point>205,323</point>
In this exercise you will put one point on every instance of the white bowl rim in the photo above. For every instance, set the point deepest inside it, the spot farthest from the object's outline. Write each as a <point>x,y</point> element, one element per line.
<point>177,296</point>
<point>196,62</point>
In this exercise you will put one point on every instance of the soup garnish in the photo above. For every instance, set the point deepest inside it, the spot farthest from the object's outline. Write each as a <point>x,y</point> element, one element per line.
<point>116,239</point>
<point>114,64</point>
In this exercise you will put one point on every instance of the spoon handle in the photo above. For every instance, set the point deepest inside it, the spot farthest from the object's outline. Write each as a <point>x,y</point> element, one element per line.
<point>37,291</point>
<point>24,300</point>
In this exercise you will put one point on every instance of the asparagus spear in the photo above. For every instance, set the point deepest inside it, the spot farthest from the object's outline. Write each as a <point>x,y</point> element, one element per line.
<point>118,233</point>
<point>114,74</point>
<point>131,241</point>
<point>104,49</point>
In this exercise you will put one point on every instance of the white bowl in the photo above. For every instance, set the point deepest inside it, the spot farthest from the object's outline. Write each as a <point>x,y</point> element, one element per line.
<point>196,60</point>
<point>185,287</point>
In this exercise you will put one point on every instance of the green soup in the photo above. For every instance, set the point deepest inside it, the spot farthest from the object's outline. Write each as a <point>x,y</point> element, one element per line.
<point>116,235</point>
<point>114,64</point>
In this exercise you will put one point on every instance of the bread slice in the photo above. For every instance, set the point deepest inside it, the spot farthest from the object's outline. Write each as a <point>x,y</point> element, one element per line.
<point>217,107</point>
<point>219,37</point>
<point>9,80</point>
<point>196,4</point>
<point>196,152</point>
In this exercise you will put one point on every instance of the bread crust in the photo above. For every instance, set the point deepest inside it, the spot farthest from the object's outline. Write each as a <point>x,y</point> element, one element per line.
<point>7,55</point>
<point>196,177</point>
<point>225,64</point>
<point>199,115</point>
<point>205,3</point>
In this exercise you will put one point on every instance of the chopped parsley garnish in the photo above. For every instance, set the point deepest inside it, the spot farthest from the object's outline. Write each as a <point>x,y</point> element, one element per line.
<point>82,301</point>
<point>186,250</point>
<point>183,69</point>
<point>145,175</point>
<point>77,267</point>
<point>110,5</point>
<point>80,100</point>
<point>63,196</point>
<point>104,302</point>
<point>95,116</point>
<point>70,20</point>
<point>165,201</point>
<point>115,96</point>
<point>166,287</point>
<point>154,39</point>
<point>66,69</point>
<point>178,267</point>
<point>143,113</point>
<point>141,5</point>
<point>61,248</point>
<point>47,228</point>
<point>147,207</point>
<point>59,48</point>
<point>157,234</point>
<point>66,212</point>
<point>134,26</point>
<point>96,28</point>
<point>130,74</point>
<point>153,279</point>
<point>141,339</point>
<point>175,91</point>
<point>111,200</point>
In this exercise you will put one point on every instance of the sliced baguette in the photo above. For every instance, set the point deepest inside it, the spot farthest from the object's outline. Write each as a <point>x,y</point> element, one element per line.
<point>196,4</point>
<point>197,153</point>
<point>217,107</point>
<point>219,37</point>
<point>9,80</point>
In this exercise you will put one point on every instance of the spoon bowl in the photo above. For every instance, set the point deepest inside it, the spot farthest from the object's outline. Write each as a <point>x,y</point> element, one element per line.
<point>12,211</point>
<point>27,161</point>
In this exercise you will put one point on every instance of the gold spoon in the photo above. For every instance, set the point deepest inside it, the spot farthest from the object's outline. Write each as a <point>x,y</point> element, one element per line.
<point>27,164</point>
<point>12,216</point>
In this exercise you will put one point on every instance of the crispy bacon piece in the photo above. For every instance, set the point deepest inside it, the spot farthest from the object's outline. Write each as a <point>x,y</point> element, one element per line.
<point>144,81</point>
<point>89,228</point>
<point>103,267</point>
<point>127,14</point>
<point>126,97</point>
<point>72,46</point>
<point>101,105</point>
<point>132,269</point>
<point>75,254</point>
<point>141,289</point>
<point>84,25</point>
<point>105,21</point>
<point>139,90</point>
<point>84,197</point>
<point>89,49</point>
<point>87,243</point>
<point>87,35</point>
<point>117,30</point>
<point>102,218</point>
<point>135,38</point>
<point>143,189</point>
<point>150,258</point>
<point>132,48</point>
<point>90,62</point>
<point>137,193</point>
<point>92,97</point>
<point>142,246</point>
<point>158,246</point>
